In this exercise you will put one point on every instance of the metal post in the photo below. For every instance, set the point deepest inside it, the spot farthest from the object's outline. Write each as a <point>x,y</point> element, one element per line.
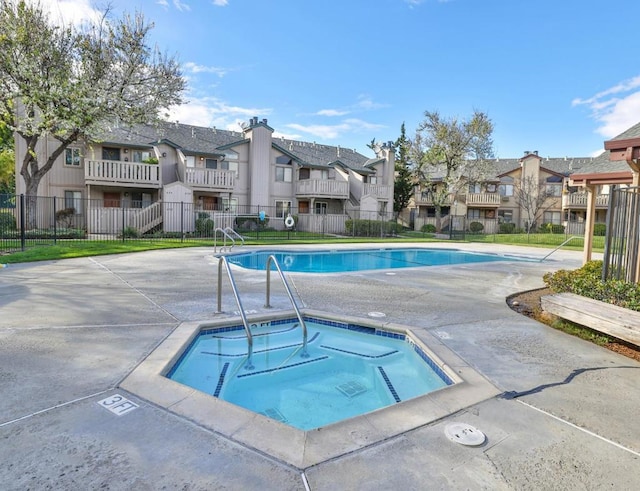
<point>181,221</point>
<point>55,223</point>
<point>22,223</point>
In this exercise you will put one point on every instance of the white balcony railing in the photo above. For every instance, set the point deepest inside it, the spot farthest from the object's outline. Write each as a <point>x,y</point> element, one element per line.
<point>426,198</point>
<point>210,178</point>
<point>580,200</point>
<point>483,199</point>
<point>324,188</point>
<point>377,190</point>
<point>118,172</point>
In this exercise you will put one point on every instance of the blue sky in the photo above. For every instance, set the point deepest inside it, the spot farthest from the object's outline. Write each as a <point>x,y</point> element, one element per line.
<point>557,76</point>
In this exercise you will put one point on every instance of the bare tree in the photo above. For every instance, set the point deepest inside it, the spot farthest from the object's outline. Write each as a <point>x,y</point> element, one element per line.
<point>72,83</point>
<point>450,152</point>
<point>532,198</point>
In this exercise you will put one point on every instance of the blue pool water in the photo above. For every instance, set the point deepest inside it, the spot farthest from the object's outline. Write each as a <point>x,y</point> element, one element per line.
<point>337,261</point>
<point>350,370</point>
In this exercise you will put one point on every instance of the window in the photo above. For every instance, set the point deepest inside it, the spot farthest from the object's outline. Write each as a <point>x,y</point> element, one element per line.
<point>553,189</point>
<point>320,208</point>
<point>552,217</point>
<point>373,180</point>
<point>474,188</point>
<point>282,208</point>
<point>110,153</point>
<point>191,161</point>
<point>473,214</point>
<point>210,163</point>
<point>304,174</point>
<point>324,174</point>
<point>506,186</point>
<point>230,205</point>
<point>140,155</point>
<point>505,216</point>
<point>283,174</point>
<point>73,199</point>
<point>221,165</point>
<point>491,188</point>
<point>303,207</point>
<point>72,157</point>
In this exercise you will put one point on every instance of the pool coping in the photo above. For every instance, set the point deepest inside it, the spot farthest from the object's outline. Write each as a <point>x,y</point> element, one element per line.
<point>293,446</point>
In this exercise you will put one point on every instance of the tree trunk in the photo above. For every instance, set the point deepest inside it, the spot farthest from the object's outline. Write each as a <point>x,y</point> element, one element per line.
<point>31,203</point>
<point>438,219</point>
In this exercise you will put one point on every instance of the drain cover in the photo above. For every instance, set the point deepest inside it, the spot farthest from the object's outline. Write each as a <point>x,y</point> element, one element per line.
<point>351,389</point>
<point>273,413</point>
<point>464,434</point>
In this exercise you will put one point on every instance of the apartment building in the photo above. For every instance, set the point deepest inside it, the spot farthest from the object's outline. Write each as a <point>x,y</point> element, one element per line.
<point>150,171</point>
<point>497,197</point>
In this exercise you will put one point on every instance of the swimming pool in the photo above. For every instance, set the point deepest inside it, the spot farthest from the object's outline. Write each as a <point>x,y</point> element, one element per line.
<point>348,370</point>
<point>337,261</point>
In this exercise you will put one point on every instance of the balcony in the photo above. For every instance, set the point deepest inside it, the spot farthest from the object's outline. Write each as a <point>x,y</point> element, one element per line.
<point>379,191</point>
<point>579,200</point>
<point>209,179</point>
<point>322,188</point>
<point>117,173</point>
<point>426,199</point>
<point>483,199</point>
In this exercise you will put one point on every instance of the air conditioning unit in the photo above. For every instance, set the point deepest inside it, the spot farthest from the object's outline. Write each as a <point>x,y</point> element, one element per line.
<point>505,198</point>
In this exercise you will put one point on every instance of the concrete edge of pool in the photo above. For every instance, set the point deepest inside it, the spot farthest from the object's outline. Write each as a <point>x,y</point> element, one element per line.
<point>295,447</point>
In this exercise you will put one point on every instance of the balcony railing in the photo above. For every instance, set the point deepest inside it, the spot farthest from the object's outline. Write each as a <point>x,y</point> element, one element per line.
<point>323,188</point>
<point>210,178</point>
<point>118,172</point>
<point>377,190</point>
<point>486,199</point>
<point>426,199</point>
<point>580,200</point>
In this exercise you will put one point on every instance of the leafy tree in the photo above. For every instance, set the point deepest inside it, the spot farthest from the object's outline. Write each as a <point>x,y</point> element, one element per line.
<point>403,183</point>
<point>450,152</point>
<point>531,196</point>
<point>7,161</point>
<point>72,83</point>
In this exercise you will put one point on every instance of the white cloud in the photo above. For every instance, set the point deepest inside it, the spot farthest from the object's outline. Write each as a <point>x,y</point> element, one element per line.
<point>616,108</point>
<point>366,102</point>
<point>163,3</point>
<point>220,3</point>
<point>332,112</point>
<point>330,132</point>
<point>195,68</point>
<point>182,7</point>
<point>210,111</point>
<point>70,11</point>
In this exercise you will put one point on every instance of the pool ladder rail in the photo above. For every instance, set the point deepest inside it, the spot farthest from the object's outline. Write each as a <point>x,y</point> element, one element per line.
<point>227,233</point>
<point>222,262</point>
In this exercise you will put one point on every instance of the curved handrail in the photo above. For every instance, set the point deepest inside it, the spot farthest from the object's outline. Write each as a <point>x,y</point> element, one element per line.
<point>223,261</point>
<point>226,235</point>
<point>272,259</point>
<point>230,231</point>
<point>565,242</point>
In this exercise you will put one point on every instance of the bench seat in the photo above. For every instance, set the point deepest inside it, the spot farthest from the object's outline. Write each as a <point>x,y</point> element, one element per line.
<point>615,321</point>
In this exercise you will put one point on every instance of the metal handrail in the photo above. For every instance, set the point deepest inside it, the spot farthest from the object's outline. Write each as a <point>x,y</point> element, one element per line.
<point>226,235</point>
<point>272,259</point>
<point>230,231</point>
<point>223,261</point>
<point>564,243</point>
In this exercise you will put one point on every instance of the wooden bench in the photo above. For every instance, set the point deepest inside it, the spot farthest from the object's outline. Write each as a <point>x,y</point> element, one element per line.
<point>615,321</point>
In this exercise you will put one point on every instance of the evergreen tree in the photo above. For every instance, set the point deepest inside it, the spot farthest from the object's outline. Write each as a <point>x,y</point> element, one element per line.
<point>403,183</point>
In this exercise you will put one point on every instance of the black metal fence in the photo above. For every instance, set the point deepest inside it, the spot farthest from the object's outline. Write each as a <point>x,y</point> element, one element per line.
<point>27,221</point>
<point>623,235</point>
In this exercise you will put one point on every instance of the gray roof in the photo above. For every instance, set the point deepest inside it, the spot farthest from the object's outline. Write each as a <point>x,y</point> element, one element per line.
<point>601,164</point>
<point>633,132</point>
<point>210,141</point>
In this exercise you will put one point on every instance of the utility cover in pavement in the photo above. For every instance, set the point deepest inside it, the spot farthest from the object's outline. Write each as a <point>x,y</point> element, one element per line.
<point>464,434</point>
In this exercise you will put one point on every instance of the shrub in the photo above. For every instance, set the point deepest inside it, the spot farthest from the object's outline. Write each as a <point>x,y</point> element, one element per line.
<point>204,225</point>
<point>599,229</point>
<point>587,281</point>
<point>428,228</point>
<point>476,227</point>
<point>65,216</point>
<point>371,228</point>
<point>7,221</point>
<point>551,228</point>
<point>507,228</point>
<point>250,223</point>
<point>130,233</point>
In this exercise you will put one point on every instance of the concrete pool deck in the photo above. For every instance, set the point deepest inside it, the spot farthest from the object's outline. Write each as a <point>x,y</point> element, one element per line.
<point>564,417</point>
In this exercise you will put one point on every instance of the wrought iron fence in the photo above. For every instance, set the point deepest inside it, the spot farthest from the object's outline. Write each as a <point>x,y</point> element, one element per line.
<point>27,221</point>
<point>622,244</point>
